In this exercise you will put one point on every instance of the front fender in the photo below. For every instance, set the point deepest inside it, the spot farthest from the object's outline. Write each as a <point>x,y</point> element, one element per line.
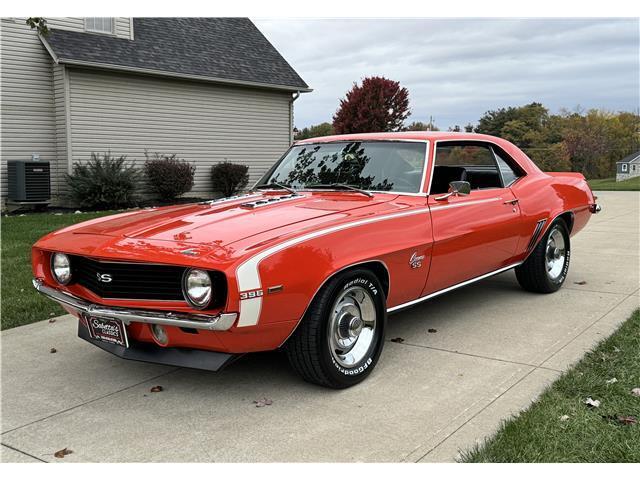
<point>278,286</point>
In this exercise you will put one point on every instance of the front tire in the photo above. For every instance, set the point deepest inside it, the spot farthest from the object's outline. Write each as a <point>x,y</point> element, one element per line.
<point>340,338</point>
<point>546,268</point>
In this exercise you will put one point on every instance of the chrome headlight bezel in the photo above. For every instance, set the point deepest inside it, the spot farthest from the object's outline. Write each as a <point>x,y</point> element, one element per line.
<point>203,300</point>
<point>54,269</point>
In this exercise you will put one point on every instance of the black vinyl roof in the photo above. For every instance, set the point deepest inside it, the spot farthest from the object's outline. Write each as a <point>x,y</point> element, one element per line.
<point>224,49</point>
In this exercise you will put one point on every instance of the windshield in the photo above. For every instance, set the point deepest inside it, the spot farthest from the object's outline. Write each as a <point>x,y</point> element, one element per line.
<point>377,166</point>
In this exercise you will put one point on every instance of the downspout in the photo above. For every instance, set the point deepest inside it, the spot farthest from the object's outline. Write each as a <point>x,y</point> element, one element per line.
<point>293,99</point>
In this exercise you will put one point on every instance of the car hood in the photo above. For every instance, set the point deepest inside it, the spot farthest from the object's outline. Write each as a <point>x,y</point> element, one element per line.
<point>220,223</point>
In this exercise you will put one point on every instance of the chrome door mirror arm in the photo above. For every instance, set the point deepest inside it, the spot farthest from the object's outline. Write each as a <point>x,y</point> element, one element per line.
<point>456,189</point>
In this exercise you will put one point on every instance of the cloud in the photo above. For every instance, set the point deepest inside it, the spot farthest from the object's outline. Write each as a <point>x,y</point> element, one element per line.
<point>456,69</point>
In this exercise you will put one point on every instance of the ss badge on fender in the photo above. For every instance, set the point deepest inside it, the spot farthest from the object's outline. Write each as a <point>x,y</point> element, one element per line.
<point>416,260</point>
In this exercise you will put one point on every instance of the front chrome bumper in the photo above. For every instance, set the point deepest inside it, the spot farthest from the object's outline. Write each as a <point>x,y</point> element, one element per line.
<point>220,321</point>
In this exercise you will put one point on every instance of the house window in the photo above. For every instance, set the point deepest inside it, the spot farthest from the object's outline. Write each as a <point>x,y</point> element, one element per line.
<point>99,24</point>
<point>624,167</point>
<point>633,168</point>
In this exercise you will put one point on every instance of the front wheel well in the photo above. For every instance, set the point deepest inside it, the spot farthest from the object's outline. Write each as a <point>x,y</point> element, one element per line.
<point>379,269</point>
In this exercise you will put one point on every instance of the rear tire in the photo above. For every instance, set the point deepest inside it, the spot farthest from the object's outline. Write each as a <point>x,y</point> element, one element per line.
<point>340,337</point>
<point>546,268</point>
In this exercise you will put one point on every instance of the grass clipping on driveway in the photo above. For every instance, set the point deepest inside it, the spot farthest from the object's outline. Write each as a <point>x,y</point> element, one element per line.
<point>561,427</point>
<point>21,304</point>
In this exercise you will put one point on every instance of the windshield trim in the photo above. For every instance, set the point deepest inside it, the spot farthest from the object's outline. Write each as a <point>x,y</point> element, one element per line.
<point>421,193</point>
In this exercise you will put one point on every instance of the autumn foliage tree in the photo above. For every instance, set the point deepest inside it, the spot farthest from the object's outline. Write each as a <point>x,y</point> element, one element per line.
<point>587,142</point>
<point>320,130</point>
<point>378,105</point>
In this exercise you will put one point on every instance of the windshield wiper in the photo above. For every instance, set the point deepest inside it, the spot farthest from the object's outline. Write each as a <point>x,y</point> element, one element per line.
<point>342,186</point>
<point>275,185</point>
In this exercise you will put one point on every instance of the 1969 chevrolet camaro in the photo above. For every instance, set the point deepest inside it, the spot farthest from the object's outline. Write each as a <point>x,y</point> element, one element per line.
<point>340,232</point>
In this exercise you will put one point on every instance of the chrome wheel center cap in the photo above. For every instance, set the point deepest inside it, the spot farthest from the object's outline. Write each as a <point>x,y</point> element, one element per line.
<point>355,326</point>
<point>349,326</point>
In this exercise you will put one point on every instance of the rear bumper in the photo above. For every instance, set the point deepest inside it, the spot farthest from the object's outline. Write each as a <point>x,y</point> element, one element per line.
<point>218,322</point>
<point>151,353</point>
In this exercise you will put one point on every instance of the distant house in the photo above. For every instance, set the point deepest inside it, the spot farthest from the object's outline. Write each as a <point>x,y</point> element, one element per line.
<point>207,89</point>
<point>628,167</point>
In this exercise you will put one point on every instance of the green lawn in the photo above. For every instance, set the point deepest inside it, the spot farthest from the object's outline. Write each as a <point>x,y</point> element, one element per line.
<point>632,184</point>
<point>560,427</point>
<point>20,304</point>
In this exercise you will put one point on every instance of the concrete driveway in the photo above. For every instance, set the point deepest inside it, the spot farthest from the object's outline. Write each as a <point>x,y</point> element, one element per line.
<point>492,349</point>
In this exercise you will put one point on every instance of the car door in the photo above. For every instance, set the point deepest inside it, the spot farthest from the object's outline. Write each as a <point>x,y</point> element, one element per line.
<point>473,234</point>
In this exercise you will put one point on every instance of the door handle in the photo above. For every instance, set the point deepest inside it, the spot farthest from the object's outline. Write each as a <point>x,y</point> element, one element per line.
<point>511,202</point>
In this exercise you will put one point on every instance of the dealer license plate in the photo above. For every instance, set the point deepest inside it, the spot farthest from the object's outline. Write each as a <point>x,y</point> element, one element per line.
<point>107,330</point>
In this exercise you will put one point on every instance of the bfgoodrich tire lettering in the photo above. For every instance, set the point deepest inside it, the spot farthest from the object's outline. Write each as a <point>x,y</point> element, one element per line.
<point>340,338</point>
<point>546,268</point>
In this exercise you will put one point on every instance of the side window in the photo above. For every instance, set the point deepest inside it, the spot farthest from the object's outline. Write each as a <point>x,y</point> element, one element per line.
<point>470,162</point>
<point>509,175</point>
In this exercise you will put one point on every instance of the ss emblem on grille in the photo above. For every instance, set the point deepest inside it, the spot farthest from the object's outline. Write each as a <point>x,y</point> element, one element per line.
<point>104,277</point>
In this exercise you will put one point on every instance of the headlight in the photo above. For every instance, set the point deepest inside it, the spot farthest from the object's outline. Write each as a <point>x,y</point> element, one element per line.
<point>61,268</point>
<point>196,287</point>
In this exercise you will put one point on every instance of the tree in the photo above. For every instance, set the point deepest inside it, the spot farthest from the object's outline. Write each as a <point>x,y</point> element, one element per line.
<point>422,127</point>
<point>468,128</point>
<point>596,140</point>
<point>552,158</point>
<point>320,130</point>
<point>378,105</point>
<point>531,117</point>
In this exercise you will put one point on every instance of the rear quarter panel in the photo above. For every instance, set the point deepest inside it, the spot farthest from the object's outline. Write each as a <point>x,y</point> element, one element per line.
<point>548,195</point>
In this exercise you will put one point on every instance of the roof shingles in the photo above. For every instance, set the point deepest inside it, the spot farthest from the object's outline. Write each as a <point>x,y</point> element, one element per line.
<point>230,49</point>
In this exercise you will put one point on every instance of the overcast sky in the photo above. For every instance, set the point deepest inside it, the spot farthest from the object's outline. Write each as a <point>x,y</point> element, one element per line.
<point>456,69</point>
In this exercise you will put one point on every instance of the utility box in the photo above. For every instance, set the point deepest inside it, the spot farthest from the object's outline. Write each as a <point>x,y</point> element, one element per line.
<point>29,182</point>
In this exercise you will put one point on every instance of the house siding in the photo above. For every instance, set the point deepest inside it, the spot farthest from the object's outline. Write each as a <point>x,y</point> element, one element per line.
<point>201,122</point>
<point>65,113</point>
<point>28,121</point>
<point>30,101</point>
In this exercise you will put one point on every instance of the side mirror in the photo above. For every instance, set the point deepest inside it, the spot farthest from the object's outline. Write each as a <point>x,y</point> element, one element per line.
<point>456,189</point>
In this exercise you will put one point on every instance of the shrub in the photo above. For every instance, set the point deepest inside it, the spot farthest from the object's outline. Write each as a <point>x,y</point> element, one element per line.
<point>104,182</point>
<point>168,176</point>
<point>229,178</point>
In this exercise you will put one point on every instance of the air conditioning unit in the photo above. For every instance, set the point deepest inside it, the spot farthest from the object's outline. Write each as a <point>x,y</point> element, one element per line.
<point>28,181</point>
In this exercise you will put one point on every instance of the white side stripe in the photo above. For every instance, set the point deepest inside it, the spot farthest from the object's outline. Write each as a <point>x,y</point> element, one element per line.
<point>248,277</point>
<point>250,311</point>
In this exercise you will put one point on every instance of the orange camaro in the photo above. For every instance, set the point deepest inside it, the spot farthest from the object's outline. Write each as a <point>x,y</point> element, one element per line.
<point>340,232</point>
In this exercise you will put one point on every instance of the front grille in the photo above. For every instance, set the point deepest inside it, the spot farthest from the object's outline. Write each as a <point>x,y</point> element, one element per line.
<point>138,280</point>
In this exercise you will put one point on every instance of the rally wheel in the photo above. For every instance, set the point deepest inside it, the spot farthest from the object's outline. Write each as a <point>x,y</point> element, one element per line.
<point>340,337</point>
<point>547,266</point>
